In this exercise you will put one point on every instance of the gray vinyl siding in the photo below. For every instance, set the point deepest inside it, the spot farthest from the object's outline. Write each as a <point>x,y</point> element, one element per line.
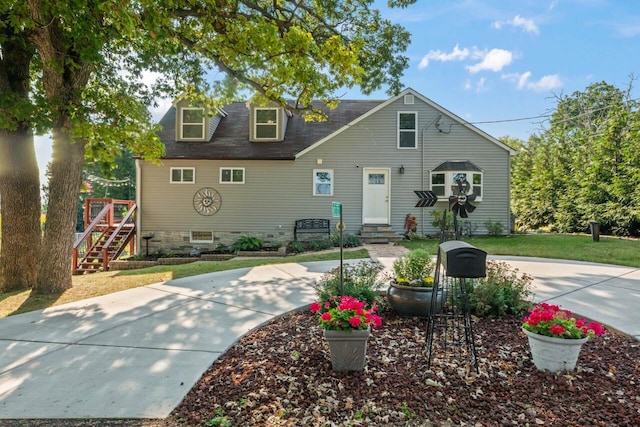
<point>373,142</point>
<point>276,193</point>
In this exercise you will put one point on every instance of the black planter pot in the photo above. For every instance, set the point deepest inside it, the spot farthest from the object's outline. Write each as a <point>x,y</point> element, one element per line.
<point>414,301</point>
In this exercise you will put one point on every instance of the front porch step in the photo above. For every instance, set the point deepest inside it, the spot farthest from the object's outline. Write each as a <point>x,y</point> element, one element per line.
<point>379,234</point>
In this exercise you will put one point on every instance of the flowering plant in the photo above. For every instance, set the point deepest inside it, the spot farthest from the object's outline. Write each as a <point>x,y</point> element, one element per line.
<point>553,321</point>
<point>414,269</point>
<point>346,313</point>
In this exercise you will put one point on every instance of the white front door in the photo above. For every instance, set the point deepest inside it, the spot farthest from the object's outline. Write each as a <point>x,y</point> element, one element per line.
<point>375,196</point>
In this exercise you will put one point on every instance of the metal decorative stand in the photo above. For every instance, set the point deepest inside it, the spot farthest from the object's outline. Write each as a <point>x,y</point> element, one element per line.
<point>451,329</point>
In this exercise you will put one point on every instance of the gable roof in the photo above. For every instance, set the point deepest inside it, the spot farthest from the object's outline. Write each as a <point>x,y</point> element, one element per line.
<point>427,101</point>
<point>230,140</point>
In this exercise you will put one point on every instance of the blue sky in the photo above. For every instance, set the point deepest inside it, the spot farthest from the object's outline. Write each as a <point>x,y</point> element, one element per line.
<point>505,60</point>
<point>498,60</point>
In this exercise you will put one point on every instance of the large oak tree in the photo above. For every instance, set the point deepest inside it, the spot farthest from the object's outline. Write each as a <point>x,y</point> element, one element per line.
<point>75,68</point>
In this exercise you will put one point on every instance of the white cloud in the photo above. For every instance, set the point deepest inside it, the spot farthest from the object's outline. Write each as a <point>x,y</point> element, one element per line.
<point>456,54</point>
<point>493,60</point>
<point>527,25</point>
<point>478,86</point>
<point>545,83</point>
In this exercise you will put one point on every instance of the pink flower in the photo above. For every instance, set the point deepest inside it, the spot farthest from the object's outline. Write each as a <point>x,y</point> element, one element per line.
<point>326,317</point>
<point>556,329</point>
<point>315,307</point>
<point>355,321</point>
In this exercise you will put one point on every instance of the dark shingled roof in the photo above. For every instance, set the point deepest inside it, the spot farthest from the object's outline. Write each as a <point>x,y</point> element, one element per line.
<point>460,165</point>
<point>230,140</point>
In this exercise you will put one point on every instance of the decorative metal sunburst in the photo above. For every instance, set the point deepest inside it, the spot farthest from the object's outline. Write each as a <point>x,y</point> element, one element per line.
<point>207,201</point>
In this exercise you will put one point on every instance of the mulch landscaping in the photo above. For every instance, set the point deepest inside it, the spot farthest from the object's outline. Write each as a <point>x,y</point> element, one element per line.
<point>281,374</point>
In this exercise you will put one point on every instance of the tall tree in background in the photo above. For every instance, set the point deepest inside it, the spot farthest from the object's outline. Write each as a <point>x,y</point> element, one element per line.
<point>87,59</point>
<point>585,167</point>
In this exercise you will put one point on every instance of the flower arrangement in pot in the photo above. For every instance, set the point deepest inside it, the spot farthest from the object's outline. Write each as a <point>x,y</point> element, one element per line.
<point>411,288</point>
<point>556,336</point>
<point>347,324</point>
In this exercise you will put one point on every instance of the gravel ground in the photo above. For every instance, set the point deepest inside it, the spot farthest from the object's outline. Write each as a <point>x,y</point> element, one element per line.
<point>281,375</point>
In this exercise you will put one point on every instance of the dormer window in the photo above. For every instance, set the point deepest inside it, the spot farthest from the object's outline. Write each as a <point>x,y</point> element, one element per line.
<point>192,120</point>
<point>266,124</point>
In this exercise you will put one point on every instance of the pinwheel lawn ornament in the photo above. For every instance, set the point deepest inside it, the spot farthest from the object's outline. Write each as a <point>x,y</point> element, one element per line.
<point>459,202</point>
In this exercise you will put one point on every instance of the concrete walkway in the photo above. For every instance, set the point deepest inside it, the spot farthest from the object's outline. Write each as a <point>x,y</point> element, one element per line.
<point>136,353</point>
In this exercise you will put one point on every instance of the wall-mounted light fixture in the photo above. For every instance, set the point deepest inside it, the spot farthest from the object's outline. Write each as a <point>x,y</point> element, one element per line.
<point>401,170</point>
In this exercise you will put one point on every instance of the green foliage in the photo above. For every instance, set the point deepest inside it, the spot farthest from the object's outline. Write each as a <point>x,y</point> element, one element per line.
<point>468,228</point>
<point>437,220</point>
<point>319,245</point>
<point>348,240</point>
<point>494,228</point>
<point>412,269</point>
<point>361,281</point>
<point>247,243</point>
<point>296,247</point>
<point>502,292</point>
<point>583,168</point>
<point>406,411</point>
<point>220,420</point>
<point>412,235</point>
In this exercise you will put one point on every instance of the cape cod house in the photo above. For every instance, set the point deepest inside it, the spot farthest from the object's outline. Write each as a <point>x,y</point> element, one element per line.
<point>254,170</point>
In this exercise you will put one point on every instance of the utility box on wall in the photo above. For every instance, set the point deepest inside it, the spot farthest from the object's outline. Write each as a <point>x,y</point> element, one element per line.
<point>460,259</point>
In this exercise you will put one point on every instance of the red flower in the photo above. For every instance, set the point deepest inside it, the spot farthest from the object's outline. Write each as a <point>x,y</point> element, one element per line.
<point>355,321</point>
<point>315,307</point>
<point>556,329</point>
<point>326,317</point>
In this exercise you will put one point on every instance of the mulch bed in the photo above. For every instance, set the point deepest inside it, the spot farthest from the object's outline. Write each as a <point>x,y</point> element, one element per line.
<point>281,375</point>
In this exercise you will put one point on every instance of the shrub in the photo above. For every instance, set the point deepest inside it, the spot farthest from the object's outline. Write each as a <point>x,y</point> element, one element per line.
<point>468,228</point>
<point>360,281</point>
<point>412,235</point>
<point>348,240</point>
<point>437,220</point>
<point>319,245</point>
<point>247,243</point>
<point>502,292</point>
<point>494,228</point>
<point>295,247</point>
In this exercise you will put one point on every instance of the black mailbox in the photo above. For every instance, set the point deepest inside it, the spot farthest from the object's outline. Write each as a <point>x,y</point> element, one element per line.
<point>461,259</point>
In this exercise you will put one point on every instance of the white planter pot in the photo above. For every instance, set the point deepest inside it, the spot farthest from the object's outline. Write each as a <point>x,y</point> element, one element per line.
<point>348,349</point>
<point>554,354</point>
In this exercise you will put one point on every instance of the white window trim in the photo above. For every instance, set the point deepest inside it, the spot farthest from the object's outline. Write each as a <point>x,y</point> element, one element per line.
<point>448,182</point>
<point>182,123</point>
<point>181,175</point>
<point>399,131</point>
<point>256,124</point>
<point>231,169</point>
<point>191,239</point>
<point>332,184</point>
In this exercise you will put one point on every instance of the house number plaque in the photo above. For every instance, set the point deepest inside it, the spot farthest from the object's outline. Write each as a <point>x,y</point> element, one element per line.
<point>207,201</point>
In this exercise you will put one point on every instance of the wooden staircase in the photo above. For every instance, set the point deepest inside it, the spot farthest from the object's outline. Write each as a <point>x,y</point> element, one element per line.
<point>107,234</point>
<point>372,234</point>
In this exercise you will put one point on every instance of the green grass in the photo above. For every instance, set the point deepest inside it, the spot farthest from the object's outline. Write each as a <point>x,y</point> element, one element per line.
<point>97,284</point>
<point>609,250</point>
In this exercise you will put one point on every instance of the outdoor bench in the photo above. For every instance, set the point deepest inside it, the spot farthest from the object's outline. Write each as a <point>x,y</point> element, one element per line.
<point>311,225</point>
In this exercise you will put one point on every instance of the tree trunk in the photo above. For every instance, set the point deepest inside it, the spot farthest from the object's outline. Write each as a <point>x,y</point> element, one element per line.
<point>19,180</point>
<point>54,274</point>
<point>20,208</point>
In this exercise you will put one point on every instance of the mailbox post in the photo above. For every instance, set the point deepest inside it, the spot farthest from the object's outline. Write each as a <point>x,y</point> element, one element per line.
<point>460,261</point>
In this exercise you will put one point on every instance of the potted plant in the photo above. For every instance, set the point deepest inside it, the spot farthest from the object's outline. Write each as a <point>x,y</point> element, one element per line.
<point>411,288</point>
<point>347,323</point>
<point>556,337</point>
